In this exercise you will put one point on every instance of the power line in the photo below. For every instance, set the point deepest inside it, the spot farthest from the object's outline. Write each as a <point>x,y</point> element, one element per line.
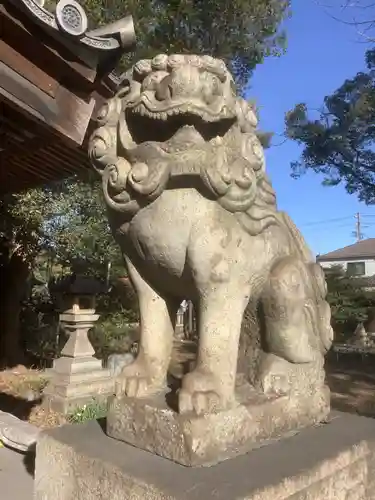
<point>331,224</point>
<point>338,219</point>
<point>327,221</point>
<point>330,228</point>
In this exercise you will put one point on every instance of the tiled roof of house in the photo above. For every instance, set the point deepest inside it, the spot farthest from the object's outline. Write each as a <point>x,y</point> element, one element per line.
<point>362,249</point>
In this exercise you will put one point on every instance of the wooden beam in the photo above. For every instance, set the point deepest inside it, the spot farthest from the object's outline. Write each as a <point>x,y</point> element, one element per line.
<point>27,69</point>
<point>22,149</point>
<point>66,113</point>
<point>22,165</point>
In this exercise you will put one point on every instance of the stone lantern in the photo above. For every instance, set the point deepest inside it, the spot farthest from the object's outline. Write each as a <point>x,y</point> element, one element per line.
<point>77,376</point>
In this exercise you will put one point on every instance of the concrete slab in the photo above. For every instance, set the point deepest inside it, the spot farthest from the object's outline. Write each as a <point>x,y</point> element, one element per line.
<point>335,461</point>
<point>16,482</point>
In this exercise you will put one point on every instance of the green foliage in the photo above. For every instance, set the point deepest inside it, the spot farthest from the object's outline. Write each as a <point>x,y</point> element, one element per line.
<point>21,224</point>
<point>81,234</point>
<point>113,334</point>
<point>58,227</point>
<point>91,411</point>
<point>350,302</point>
<point>340,143</point>
<point>43,337</point>
<point>78,230</point>
<point>63,224</point>
<point>242,32</point>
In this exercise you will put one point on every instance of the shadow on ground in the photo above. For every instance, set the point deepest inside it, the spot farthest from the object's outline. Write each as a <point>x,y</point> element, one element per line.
<point>17,406</point>
<point>352,384</point>
<point>20,408</point>
<point>29,460</point>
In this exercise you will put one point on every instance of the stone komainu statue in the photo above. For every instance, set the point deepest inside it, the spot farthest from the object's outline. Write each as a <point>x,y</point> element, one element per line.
<point>195,215</point>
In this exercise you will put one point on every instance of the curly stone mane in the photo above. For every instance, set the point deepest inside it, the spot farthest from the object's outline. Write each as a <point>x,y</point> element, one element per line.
<point>141,147</point>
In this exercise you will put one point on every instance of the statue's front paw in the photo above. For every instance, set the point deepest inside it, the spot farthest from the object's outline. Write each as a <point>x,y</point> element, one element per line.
<point>274,383</point>
<point>200,394</point>
<point>133,387</point>
<point>136,381</point>
<point>198,402</point>
<point>274,377</point>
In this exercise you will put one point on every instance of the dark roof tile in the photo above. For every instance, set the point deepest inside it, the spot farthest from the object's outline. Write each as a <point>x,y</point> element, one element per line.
<point>362,249</point>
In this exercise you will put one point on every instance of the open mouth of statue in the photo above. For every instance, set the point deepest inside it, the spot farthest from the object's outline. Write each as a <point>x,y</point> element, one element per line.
<point>147,126</point>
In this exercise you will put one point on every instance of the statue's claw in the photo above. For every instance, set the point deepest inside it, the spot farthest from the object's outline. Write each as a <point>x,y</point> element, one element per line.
<point>200,394</point>
<point>199,402</point>
<point>136,381</point>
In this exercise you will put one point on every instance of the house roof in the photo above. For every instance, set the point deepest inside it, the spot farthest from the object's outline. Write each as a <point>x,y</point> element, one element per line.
<point>360,250</point>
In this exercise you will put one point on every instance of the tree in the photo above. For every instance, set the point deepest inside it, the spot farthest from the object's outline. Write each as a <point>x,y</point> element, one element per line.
<point>351,303</point>
<point>64,223</point>
<point>242,32</point>
<point>77,229</point>
<point>21,239</point>
<point>340,143</point>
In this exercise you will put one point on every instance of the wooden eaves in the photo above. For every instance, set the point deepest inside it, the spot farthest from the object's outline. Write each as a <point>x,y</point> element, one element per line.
<point>54,74</point>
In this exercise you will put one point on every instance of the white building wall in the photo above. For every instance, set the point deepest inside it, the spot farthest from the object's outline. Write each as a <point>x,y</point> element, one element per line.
<point>369,264</point>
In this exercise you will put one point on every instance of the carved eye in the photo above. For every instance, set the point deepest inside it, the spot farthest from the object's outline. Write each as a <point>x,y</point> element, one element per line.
<point>164,90</point>
<point>211,87</point>
<point>216,86</point>
<point>124,86</point>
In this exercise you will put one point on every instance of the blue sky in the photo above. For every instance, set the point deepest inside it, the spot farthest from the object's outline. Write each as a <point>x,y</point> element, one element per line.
<point>321,54</point>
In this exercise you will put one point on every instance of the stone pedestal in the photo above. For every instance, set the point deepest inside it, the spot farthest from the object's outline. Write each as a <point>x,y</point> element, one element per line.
<point>335,461</point>
<point>77,376</point>
<point>152,424</point>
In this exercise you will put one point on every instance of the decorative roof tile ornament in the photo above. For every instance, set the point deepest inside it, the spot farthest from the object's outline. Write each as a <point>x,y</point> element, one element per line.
<point>71,17</point>
<point>69,24</point>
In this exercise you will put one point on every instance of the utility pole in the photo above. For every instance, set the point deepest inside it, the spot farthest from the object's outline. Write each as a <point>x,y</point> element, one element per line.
<point>358,226</point>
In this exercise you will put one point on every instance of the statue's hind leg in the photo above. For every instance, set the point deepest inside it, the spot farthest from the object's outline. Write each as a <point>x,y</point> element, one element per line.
<point>291,323</point>
<point>147,374</point>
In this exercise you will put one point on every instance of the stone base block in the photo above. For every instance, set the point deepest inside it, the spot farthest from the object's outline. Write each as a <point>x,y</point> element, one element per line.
<point>193,440</point>
<point>63,397</point>
<point>335,461</point>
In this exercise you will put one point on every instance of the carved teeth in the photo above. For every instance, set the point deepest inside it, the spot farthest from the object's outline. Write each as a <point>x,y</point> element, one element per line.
<point>186,108</point>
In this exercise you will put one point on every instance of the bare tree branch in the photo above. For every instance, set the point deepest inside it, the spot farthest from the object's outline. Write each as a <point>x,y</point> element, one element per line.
<point>360,14</point>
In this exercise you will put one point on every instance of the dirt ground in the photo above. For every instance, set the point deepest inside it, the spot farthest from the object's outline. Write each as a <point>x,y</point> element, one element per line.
<point>20,394</point>
<point>352,386</point>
